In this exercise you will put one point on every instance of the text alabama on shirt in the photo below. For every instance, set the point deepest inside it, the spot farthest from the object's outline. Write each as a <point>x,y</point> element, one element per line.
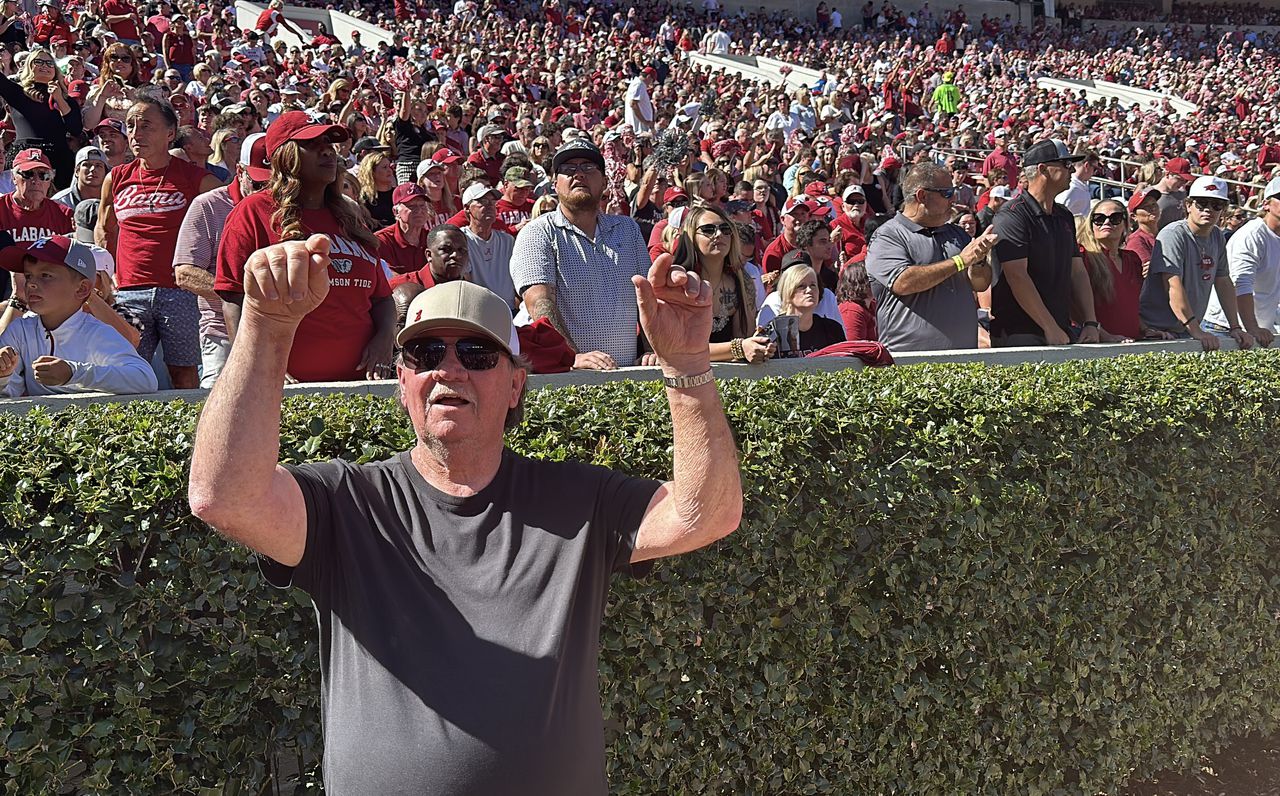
<point>331,339</point>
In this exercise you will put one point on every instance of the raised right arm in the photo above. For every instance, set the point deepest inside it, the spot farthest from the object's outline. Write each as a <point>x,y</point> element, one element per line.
<point>237,484</point>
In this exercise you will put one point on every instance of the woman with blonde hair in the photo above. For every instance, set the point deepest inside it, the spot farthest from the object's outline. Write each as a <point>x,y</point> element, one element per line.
<point>42,113</point>
<point>799,289</point>
<point>115,89</point>
<point>433,176</point>
<point>1115,273</point>
<point>543,204</point>
<point>225,149</point>
<point>349,336</point>
<point>377,178</point>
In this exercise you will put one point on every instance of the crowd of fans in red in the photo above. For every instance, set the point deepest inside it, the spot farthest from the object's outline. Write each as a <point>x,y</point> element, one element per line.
<point>164,143</point>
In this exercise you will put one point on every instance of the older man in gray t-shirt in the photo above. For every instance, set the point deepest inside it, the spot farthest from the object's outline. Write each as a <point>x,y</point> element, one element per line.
<point>924,270</point>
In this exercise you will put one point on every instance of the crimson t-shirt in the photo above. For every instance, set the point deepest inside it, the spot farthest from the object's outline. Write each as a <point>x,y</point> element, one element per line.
<point>772,259</point>
<point>123,30</point>
<point>331,339</point>
<point>29,226</point>
<point>149,207</point>
<point>401,256</point>
<point>514,215</point>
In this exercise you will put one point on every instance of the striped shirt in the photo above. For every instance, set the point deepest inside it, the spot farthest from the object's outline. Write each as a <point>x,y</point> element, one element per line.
<point>592,278</point>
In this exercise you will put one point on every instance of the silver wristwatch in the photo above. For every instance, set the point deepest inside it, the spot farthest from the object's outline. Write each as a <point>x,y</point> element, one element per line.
<point>683,382</point>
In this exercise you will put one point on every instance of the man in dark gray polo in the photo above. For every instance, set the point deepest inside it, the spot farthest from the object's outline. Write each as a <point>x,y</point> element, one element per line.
<point>924,270</point>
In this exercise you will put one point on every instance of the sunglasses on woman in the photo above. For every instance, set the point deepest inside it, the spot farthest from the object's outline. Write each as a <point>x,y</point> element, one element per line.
<point>120,57</point>
<point>1114,219</point>
<point>45,62</point>
<point>426,353</point>
<point>710,230</point>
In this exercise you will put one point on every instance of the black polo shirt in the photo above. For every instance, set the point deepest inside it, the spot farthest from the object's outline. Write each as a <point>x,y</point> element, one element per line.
<point>1047,241</point>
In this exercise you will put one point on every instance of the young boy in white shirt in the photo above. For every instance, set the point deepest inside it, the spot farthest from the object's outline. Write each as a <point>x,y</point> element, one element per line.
<point>57,347</point>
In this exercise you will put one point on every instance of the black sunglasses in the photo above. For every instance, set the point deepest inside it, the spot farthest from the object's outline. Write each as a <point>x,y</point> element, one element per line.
<point>1211,205</point>
<point>709,230</point>
<point>1115,219</point>
<point>426,353</point>
<point>945,193</point>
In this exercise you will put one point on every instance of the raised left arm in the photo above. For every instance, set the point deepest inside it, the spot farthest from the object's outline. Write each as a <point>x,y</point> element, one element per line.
<point>703,501</point>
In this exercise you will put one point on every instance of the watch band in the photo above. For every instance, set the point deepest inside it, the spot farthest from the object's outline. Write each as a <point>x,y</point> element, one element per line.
<point>683,382</point>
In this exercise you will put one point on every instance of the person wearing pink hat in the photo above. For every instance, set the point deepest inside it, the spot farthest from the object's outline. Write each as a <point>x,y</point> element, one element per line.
<point>795,212</point>
<point>1173,193</point>
<point>196,252</point>
<point>349,337</point>
<point>404,242</point>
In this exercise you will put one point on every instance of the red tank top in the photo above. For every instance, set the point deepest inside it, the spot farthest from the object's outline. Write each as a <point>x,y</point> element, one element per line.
<point>149,207</point>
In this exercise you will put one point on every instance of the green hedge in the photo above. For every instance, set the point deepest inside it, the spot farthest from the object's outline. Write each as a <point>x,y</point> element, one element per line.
<point>949,580</point>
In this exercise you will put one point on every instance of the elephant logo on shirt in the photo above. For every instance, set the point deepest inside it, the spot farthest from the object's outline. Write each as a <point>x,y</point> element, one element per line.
<point>342,266</point>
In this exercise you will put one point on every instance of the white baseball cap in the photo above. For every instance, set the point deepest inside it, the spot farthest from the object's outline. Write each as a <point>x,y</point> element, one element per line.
<point>476,191</point>
<point>1208,187</point>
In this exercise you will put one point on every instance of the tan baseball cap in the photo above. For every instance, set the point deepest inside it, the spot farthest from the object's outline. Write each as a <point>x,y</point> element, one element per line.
<point>460,305</point>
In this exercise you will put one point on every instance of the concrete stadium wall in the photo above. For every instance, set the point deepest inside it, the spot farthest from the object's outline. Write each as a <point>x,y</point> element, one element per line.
<point>338,23</point>
<point>779,368</point>
<point>1128,95</point>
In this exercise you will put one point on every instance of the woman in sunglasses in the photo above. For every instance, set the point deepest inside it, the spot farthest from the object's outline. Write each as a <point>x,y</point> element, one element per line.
<point>1115,273</point>
<point>43,115</point>
<point>112,95</point>
<point>714,253</point>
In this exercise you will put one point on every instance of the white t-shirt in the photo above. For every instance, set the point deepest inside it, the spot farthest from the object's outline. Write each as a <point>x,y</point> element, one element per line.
<point>1253,257</point>
<point>637,91</point>
<point>772,303</point>
<point>490,262</point>
<point>1076,198</point>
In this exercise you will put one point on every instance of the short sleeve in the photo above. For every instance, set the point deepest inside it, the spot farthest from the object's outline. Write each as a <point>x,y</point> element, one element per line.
<point>1012,229</point>
<point>533,257</point>
<point>194,235</point>
<point>1169,252</point>
<point>887,257</point>
<point>321,485</point>
<point>621,503</point>
<point>239,241</point>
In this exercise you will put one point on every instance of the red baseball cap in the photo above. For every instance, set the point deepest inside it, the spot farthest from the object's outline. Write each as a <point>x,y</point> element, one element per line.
<point>446,156</point>
<point>798,201</point>
<point>253,155</point>
<point>30,157</point>
<point>110,124</point>
<point>298,126</point>
<point>406,192</point>
<point>1180,167</point>
<point>1141,196</point>
<point>673,195</point>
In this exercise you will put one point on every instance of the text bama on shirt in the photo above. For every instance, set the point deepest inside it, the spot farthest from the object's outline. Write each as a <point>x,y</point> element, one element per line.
<point>140,200</point>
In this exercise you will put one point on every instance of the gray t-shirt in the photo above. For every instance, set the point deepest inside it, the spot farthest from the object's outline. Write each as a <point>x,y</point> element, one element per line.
<point>1196,261</point>
<point>938,319</point>
<point>459,637</point>
<point>1172,207</point>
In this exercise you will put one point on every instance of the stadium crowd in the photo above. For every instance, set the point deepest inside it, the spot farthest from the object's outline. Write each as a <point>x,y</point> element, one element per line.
<point>924,193</point>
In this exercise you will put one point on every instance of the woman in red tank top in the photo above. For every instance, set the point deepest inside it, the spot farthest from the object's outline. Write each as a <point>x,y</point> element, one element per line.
<point>350,336</point>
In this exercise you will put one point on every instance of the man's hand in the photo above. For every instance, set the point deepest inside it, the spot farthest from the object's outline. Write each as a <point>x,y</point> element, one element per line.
<point>1055,336</point>
<point>594,360</point>
<point>1207,341</point>
<point>8,361</point>
<point>284,282</point>
<point>51,371</point>
<point>675,314</point>
<point>377,357</point>
<point>1242,338</point>
<point>978,249</point>
<point>1265,337</point>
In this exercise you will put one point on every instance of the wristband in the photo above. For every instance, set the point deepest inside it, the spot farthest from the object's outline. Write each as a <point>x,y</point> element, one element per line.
<point>959,261</point>
<point>735,350</point>
<point>1189,321</point>
<point>19,305</point>
<point>1091,325</point>
<point>684,382</point>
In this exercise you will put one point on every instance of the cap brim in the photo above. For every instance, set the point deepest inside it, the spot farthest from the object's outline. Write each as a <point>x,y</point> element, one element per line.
<point>422,327</point>
<point>258,173</point>
<point>12,257</point>
<point>336,133</point>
